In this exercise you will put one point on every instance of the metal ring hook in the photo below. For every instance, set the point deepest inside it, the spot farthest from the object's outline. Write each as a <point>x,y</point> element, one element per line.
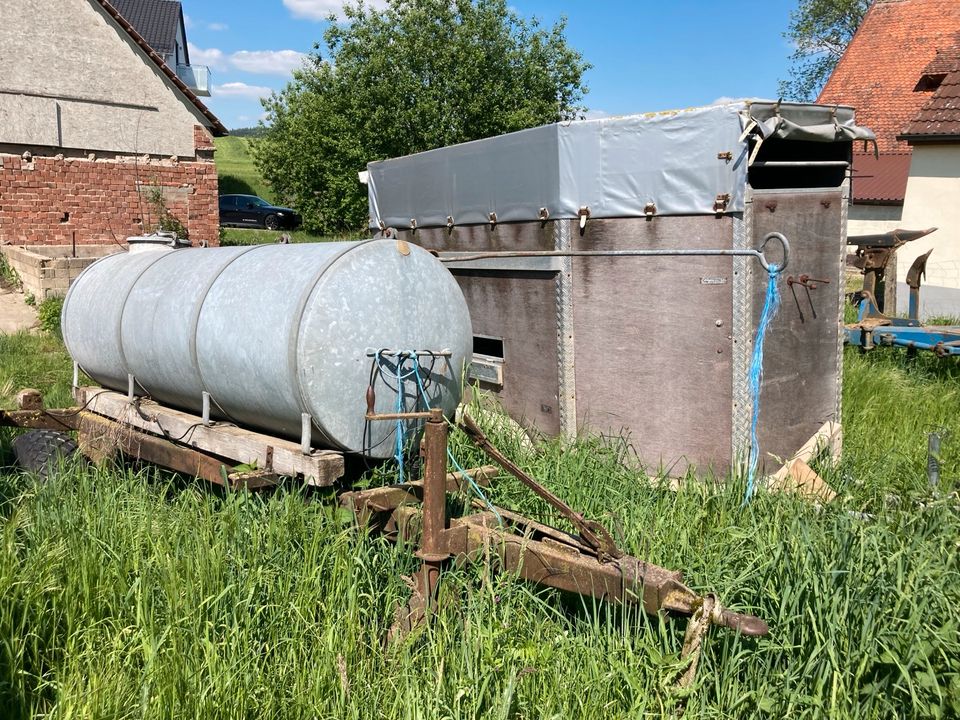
<point>784,243</point>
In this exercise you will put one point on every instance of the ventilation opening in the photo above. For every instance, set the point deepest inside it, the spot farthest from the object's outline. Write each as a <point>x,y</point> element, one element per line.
<point>488,346</point>
<point>800,164</point>
<point>930,82</point>
<point>65,218</point>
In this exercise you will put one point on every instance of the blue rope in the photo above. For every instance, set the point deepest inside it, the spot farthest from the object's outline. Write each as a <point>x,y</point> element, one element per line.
<point>770,305</point>
<point>400,441</point>
<point>398,450</point>
<point>463,473</point>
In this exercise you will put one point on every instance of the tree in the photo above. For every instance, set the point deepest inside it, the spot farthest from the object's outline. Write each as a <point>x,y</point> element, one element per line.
<point>820,31</point>
<point>418,75</point>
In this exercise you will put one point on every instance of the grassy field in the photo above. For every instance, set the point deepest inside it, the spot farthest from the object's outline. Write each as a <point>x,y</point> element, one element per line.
<point>244,236</point>
<point>236,171</point>
<point>238,174</point>
<point>137,593</point>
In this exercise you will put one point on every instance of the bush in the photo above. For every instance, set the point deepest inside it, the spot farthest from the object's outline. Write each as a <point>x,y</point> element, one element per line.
<point>48,315</point>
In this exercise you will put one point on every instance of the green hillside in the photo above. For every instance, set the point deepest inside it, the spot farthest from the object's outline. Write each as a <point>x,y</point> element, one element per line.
<point>237,172</point>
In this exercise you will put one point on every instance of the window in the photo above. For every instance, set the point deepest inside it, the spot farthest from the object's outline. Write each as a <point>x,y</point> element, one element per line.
<point>489,346</point>
<point>930,82</point>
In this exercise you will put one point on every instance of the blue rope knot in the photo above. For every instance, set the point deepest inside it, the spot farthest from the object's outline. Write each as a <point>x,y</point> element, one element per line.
<point>771,304</point>
<point>422,395</point>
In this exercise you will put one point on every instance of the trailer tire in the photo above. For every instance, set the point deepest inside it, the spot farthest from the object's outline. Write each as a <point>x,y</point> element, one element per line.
<point>39,451</point>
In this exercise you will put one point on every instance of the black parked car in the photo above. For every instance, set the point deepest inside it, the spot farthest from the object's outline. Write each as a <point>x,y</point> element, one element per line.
<point>252,211</point>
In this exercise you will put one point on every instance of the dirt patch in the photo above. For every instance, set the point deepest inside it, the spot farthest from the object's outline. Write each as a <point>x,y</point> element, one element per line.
<point>15,314</point>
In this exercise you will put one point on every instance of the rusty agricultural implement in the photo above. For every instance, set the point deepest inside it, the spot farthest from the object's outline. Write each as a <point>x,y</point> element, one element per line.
<point>879,326</point>
<point>587,562</point>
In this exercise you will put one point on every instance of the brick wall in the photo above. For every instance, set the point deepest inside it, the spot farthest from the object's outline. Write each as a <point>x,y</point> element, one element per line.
<point>45,200</point>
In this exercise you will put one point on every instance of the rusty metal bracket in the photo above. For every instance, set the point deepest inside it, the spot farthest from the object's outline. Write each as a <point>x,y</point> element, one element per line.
<point>720,203</point>
<point>807,283</point>
<point>593,533</point>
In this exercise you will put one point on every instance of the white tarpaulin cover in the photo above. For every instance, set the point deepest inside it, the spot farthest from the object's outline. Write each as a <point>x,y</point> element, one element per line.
<point>613,166</point>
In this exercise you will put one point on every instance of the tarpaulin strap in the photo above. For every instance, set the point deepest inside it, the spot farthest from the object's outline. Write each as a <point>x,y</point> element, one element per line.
<point>756,150</point>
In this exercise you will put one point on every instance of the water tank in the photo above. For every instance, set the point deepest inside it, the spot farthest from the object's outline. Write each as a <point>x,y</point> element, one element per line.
<point>275,331</point>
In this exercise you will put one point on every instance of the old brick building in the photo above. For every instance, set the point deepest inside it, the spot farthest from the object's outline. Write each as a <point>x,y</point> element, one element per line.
<point>98,134</point>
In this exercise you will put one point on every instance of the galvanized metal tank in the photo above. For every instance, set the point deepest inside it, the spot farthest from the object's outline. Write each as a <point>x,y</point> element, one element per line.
<point>273,332</point>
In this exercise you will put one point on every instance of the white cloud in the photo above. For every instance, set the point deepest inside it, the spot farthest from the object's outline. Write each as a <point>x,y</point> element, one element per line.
<point>267,62</point>
<point>217,27</point>
<point>211,57</point>
<point>239,89</point>
<point>188,21</point>
<point>262,62</point>
<point>321,9</point>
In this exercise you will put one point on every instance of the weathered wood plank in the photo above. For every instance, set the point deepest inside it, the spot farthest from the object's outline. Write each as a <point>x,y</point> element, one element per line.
<point>654,342</point>
<point>803,360</point>
<point>320,468</point>
<point>101,438</point>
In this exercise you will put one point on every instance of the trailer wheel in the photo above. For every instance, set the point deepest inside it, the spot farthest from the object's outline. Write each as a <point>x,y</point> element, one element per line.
<point>39,451</point>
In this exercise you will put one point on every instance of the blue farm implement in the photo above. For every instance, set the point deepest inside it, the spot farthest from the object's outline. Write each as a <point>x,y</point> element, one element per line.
<point>873,327</point>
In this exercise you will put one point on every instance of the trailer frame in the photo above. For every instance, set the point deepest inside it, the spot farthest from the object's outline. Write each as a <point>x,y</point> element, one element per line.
<point>587,562</point>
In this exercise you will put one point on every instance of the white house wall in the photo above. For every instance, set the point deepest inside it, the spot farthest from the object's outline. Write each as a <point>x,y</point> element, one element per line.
<point>71,78</point>
<point>873,219</point>
<point>933,200</point>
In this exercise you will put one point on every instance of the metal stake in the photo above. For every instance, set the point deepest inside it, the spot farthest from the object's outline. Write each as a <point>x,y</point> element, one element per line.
<point>431,550</point>
<point>206,408</point>
<point>306,433</point>
<point>933,458</point>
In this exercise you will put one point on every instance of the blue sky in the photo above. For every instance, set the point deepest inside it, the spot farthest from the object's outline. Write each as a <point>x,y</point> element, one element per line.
<point>646,55</point>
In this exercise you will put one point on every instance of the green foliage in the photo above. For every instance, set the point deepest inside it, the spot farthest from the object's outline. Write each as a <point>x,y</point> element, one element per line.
<point>164,219</point>
<point>8,276</point>
<point>246,132</point>
<point>413,77</point>
<point>236,172</point>
<point>30,299</point>
<point>819,31</point>
<point>48,315</point>
<point>37,361</point>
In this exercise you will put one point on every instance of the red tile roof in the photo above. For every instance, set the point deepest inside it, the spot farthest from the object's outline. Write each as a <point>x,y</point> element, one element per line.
<point>946,61</point>
<point>882,64</point>
<point>880,180</point>
<point>939,118</point>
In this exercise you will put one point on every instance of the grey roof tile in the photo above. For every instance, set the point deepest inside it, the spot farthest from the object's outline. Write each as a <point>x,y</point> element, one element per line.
<point>156,20</point>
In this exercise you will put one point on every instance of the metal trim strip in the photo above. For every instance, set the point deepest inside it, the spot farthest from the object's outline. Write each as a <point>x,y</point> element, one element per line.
<point>567,391</point>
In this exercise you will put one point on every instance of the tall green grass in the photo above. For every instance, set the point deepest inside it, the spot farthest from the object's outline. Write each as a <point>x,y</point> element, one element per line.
<point>249,236</point>
<point>36,360</point>
<point>136,593</point>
